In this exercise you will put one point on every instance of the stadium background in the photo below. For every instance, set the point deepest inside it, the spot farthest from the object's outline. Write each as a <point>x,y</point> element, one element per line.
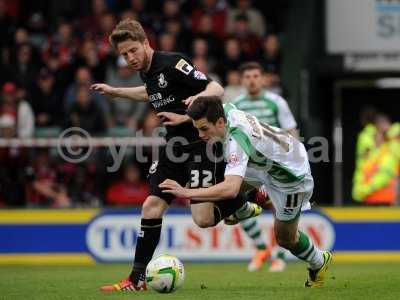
<point>61,47</point>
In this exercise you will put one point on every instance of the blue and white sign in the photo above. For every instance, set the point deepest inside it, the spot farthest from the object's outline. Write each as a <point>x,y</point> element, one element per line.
<point>112,237</point>
<point>87,236</point>
<point>363,26</point>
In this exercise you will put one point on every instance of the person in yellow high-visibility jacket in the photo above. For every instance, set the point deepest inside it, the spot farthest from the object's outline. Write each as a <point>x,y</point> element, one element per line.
<point>365,141</point>
<point>377,163</point>
<point>366,138</point>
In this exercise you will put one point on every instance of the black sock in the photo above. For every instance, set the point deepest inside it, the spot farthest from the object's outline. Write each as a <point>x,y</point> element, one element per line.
<point>146,243</point>
<point>225,208</point>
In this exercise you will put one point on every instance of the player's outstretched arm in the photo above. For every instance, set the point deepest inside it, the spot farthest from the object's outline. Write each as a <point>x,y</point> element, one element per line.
<point>227,189</point>
<point>134,93</point>
<point>212,89</point>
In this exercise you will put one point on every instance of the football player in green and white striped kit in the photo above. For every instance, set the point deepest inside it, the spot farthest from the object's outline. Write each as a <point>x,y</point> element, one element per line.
<point>259,152</point>
<point>270,109</point>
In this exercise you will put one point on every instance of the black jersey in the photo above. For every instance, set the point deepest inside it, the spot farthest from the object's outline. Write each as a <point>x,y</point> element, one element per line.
<point>171,79</point>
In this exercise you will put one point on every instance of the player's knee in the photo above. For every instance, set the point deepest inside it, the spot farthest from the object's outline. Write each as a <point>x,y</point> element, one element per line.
<point>203,221</point>
<point>153,208</point>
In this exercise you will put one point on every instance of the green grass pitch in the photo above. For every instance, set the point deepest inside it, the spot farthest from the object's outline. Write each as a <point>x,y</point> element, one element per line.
<point>205,281</point>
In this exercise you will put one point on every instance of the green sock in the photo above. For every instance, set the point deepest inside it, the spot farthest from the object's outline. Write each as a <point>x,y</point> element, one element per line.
<point>253,231</point>
<point>281,254</point>
<point>307,251</point>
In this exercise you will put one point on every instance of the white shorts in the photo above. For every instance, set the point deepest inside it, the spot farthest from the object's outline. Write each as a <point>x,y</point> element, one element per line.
<point>288,203</point>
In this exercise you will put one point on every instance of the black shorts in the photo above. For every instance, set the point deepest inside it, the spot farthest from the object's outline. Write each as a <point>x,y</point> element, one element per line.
<point>200,165</point>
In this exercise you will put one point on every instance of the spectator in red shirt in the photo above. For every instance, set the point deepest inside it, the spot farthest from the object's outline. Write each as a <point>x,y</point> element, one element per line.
<point>130,190</point>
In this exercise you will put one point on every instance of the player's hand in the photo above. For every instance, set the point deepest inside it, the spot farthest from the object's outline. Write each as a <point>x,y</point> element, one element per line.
<point>103,89</point>
<point>172,119</point>
<point>189,101</point>
<point>174,188</point>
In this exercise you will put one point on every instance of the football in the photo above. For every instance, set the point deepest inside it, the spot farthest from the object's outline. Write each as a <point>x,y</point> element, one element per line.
<point>165,274</point>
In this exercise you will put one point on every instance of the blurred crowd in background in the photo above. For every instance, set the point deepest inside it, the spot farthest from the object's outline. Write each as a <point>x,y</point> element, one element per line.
<point>52,51</point>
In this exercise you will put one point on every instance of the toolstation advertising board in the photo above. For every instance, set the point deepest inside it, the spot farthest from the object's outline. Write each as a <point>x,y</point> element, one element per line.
<point>88,236</point>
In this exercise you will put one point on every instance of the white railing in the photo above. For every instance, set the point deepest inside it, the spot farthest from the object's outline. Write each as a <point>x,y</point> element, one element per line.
<point>81,142</point>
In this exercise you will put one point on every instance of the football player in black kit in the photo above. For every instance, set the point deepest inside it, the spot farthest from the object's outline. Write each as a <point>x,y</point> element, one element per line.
<point>171,83</point>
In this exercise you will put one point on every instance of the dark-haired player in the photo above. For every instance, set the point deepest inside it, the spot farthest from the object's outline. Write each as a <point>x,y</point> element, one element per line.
<point>273,157</point>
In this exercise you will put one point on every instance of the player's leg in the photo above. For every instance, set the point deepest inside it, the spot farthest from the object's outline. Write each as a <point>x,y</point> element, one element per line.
<point>277,253</point>
<point>149,235</point>
<point>150,230</point>
<point>303,247</point>
<point>153,210</point>
<point>253,230</point>
<point>287,212</point>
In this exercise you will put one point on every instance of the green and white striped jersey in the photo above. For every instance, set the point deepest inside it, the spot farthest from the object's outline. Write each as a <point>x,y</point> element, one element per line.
<point>268,108</point>
<point>253,145</point>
